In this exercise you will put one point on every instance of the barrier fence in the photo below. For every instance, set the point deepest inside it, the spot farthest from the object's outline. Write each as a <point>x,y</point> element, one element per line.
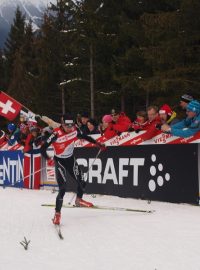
<point>153,170</point>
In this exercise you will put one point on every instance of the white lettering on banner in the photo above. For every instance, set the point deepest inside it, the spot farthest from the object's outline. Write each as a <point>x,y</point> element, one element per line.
<point>123,173</point>
<point>11,170</point>
<point>7,107</point>
<point>95,173</point>
<point>110,173</point>
<point>136,162</point>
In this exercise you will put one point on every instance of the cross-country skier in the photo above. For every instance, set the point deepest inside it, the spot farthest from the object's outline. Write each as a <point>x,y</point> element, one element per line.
<point>62,140</point>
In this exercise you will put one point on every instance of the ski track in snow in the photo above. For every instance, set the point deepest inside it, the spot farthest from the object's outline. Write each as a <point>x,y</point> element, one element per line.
<point>97,239</point>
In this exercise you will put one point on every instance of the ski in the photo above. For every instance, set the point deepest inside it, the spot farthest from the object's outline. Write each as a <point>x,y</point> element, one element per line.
<point>58,230</point>
<point>97,207</point>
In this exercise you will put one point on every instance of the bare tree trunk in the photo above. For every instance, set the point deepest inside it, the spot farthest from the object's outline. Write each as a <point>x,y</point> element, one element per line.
<point>91,82</point>
<point>63,99</point>
<point>147,98</point>
<point>122,102</point>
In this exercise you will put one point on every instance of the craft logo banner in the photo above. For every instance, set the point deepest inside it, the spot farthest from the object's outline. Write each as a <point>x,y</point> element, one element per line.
<point>11,168</point>
<point>161,172</point>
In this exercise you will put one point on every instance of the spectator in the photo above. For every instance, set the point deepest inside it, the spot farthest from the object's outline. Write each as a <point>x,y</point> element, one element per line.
<point>167,116</point>
<point>189,126</point>
<point>78,120</point>
<point>185,99</point>
<point>23,134</point>
<point>14,134</point>
<point>92,127</point>
<point>121,122</point>
<point>24,128</point>
<point>83,127</point>
<point>140,123</point>
<point>153,122</point>
<point>22,121</point>
<point>115,124</point>
<point>33,140</point>
<point>106,127</point>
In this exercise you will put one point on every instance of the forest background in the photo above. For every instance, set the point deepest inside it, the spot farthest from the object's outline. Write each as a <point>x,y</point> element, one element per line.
<point>97,55</point>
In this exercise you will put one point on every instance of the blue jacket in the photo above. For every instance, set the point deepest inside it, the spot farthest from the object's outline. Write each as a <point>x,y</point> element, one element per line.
<point>187,127</point>
<point>14,137</point>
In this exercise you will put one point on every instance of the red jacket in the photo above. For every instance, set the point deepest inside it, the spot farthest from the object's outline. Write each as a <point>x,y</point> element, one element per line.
<point>137,126</point>
<point>151,129</point>
<point>123,123</point>
<point>32,142</point>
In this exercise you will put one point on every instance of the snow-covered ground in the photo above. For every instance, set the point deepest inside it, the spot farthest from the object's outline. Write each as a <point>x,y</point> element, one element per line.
<point>97,239</point>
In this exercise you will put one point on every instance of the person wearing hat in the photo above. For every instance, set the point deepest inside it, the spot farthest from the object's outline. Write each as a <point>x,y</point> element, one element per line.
<point>33,140</point>
<point>189,126</point>
<point>167,115</point>
<point>24,127</point>
<point>106,127</point>
<point>114,124</point>
<point>184,100</point>
<point>120,122</point>
<point>14,134</point>
<point>62,139</point>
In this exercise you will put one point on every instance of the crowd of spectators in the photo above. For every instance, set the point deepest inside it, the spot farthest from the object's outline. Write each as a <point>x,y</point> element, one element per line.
<point>154,119</point>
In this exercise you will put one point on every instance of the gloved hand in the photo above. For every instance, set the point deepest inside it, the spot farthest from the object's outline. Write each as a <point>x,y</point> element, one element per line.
<point>137,130</point>
<point>50,162</point>
<point>131,129</point>
<point>158,126</point>
<point>118,133</point>
<point>102,146</point>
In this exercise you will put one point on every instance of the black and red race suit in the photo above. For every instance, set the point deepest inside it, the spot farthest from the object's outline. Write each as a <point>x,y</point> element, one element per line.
<point>65,163</point>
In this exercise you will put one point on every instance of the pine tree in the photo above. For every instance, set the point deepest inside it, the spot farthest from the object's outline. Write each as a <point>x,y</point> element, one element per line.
<point>23,81</point>
<point>50,64</point>
<point>2,71</point>
<point>128,64</point>
<point>86,39</point>
<point>14,41</point>
<point>171,51</point>
<point>162,50</point>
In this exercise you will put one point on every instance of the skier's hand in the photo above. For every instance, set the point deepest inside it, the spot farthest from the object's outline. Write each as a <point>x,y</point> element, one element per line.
<point>102,146</point>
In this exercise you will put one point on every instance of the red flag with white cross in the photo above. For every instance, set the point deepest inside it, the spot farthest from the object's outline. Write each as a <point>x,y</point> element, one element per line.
<point>9,107</point>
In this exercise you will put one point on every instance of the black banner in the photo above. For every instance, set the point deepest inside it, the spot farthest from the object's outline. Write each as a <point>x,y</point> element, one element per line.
<point>153,172</point>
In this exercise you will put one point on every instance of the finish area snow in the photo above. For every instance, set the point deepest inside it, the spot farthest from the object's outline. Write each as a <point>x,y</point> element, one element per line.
<point>97,239</point>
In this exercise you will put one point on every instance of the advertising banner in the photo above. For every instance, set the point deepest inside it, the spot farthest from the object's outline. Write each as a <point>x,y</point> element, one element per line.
<point>11,168</point>
<point>32,170</point>
<point>152,172</point>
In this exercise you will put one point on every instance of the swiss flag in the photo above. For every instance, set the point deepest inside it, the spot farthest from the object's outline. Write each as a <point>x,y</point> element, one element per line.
<point>9,107</point>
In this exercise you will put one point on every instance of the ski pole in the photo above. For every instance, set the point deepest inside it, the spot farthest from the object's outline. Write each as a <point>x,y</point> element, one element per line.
<point>29,175</point>
<point>72,198</point>
<point>35,172</point>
